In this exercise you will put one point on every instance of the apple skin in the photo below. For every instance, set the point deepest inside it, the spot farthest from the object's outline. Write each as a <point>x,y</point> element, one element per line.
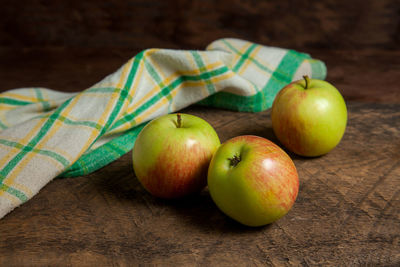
<point>309,121</point>
<point>261,188</point>
<point>172,162</point>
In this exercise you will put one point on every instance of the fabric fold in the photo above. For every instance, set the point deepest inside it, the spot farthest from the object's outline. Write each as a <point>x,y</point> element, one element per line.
<point>46,134</point>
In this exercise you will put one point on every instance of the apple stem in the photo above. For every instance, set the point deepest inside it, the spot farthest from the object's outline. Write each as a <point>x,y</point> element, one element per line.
<point>235,160</point>
<point>307,81</point>
<point>179,120</point>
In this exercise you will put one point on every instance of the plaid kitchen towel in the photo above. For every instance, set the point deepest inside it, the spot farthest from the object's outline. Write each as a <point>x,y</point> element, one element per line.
<point>45,133</point>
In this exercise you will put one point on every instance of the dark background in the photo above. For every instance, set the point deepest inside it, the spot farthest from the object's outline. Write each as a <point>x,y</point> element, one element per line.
<point>70,45</point>
<point>192,24</point>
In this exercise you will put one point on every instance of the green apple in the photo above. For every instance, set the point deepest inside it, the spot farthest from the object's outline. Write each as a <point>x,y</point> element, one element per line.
<point>309,117</point>
<point>172,153</point>
<point>252,180</point>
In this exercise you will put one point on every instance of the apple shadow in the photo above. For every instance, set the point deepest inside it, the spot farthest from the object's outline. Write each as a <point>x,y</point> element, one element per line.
<point>200,211</point>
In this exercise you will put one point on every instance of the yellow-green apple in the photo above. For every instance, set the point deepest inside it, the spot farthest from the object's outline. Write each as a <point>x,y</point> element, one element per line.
<point>252,180</point>
<point>172,153</point>
<point>309,117</point>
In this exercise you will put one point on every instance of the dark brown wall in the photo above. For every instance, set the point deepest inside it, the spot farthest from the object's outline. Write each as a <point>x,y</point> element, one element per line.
<point>195,23</point>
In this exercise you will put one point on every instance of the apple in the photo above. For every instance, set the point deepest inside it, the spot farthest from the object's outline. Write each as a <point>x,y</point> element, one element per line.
<point>252,180</point>
<point>172,153</point>
<point>309,117</point>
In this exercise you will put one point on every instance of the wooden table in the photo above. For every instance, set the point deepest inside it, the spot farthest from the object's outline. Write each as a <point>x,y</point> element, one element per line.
<point>347,211</point>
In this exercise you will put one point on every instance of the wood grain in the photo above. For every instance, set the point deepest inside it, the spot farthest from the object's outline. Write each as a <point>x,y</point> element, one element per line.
<point>195,23</point>
<point>347,211</point>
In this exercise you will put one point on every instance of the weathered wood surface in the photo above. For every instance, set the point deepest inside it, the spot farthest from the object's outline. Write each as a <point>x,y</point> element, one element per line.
<point>347,211</point>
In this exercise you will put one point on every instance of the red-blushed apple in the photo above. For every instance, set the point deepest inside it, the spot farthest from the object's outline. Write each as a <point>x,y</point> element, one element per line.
<point>172,153</point>
<point>252,180</point>
<point>309,117</point>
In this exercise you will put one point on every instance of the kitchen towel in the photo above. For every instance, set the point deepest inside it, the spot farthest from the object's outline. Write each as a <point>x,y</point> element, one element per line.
<point>46,134</point>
